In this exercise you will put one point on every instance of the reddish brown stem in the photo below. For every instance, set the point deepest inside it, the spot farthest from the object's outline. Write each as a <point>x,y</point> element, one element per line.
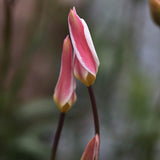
<point>94,109</point>
<point>57,135</point>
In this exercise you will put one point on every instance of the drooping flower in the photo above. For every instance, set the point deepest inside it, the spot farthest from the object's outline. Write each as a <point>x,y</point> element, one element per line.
<point>92,150</point>
<point>64,94</point>
<point>155,10</point>
<point>86,61</point>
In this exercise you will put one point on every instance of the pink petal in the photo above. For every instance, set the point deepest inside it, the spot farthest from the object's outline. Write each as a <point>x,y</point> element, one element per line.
<point>92,150</point>
<point>82,43</point>
<point>64,94</point>
<point>82,74</point>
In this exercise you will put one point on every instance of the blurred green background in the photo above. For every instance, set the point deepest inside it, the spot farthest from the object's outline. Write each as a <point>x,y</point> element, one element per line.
<point>127,85</point>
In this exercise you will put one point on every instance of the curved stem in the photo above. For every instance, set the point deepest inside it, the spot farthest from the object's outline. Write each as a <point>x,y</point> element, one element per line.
<point>57,135</point>
<point>94,109</point>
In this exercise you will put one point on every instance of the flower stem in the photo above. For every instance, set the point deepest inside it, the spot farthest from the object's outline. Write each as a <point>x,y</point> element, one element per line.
<point>94,109</point>
<point>57,135</point>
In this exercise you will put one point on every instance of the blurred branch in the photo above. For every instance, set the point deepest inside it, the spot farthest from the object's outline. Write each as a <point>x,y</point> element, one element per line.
<point>34,39</point>
<point>6,50</point>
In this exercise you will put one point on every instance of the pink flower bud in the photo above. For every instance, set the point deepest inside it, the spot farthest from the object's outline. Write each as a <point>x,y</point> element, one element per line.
<point>64,94</point>
<point>86,60</point>
<point>92,150</point>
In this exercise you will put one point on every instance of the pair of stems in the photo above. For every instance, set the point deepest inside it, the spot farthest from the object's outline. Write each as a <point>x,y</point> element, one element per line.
<point>61,122</point>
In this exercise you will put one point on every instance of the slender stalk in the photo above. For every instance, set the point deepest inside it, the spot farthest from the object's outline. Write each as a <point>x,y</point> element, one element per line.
<point>57,136</point>
<point>94,109</point>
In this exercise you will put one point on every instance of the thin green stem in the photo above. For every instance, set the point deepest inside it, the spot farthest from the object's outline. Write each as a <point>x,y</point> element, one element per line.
<point>57,135</point>
<point>94,109</point>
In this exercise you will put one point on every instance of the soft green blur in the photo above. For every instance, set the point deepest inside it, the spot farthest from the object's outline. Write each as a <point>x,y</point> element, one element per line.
<point>127,86</point>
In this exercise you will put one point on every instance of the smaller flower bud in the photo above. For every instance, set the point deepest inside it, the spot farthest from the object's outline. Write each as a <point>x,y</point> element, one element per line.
<point>155,10</point>
<point>64,94</point>
<point>92,150</point>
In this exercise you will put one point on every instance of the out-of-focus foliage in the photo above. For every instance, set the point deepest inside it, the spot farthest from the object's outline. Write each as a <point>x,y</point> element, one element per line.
<point>127,86</point>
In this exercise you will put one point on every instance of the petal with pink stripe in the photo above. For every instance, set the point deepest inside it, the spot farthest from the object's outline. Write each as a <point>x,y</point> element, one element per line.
<point>82,43</point>
<point>92,150</point>
<point>82,74</point>
<point>64,94</point>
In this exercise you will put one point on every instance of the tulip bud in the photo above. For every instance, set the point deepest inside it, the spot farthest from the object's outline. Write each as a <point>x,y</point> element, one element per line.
<point>92,150</point>
<point>155,10</point>
<point>64,95</point>
<point>86,61</point>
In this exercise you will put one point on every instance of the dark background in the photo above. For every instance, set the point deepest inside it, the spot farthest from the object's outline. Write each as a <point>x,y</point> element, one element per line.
<point>127,86</point>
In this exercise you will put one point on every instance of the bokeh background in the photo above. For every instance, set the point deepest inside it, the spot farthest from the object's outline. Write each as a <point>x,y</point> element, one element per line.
<point>127,86</point>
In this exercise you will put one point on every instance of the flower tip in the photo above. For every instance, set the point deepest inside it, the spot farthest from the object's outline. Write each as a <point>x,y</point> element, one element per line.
<point>97,139</point>
<point>67,38</point>
<point>92,150</point>
<point>71,13</point>
<point>67,44</point>
<point>74,9</point>
<point>66,41</point>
